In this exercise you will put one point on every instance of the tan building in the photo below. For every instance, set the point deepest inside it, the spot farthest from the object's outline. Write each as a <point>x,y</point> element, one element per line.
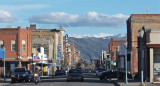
<point>134,23</point>
<point>151,61</point>
<point>50,35</point>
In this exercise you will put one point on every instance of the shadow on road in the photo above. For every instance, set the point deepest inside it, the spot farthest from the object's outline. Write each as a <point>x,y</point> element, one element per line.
<point>88,78</point>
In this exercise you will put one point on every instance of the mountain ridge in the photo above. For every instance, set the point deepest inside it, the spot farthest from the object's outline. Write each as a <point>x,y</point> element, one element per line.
<point>91,47</point>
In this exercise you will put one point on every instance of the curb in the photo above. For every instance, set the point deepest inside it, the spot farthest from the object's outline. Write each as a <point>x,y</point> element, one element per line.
<point>117,84</point>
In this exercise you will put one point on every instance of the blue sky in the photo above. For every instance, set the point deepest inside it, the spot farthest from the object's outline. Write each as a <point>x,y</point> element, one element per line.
<point>79,17</point>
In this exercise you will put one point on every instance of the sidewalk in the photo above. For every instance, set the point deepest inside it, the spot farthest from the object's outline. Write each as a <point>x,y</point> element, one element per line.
<point>2,83</point>
<point>135,83</point>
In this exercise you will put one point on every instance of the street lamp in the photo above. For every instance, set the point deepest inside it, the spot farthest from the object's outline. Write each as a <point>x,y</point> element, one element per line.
<point>4,63</point>
<point>19,58</point>
<point>141,33</point>
<point>42,64</point>
<point>125,44</point>
<point>33,58</point>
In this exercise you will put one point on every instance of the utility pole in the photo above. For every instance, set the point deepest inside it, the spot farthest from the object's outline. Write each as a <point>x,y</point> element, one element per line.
<point>42,64</point>
<point>125,44</point>
<point>141,33</point>
<point>101,60</point>
<point>4,64</point>
<point>32,60</point>
<point>19,58</point>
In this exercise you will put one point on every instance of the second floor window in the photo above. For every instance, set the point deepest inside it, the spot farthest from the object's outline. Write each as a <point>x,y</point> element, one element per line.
<point>13,45</point>
<point>1,44</point>
<point>23,45</point>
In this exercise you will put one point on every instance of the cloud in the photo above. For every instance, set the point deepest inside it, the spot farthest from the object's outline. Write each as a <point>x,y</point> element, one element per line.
<point>5,17</point>
<point>88,19</point>
<point>99,35</point>
<point>24,6</point>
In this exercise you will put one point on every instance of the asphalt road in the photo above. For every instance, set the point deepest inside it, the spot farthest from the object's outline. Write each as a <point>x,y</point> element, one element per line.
<point>89,80</point>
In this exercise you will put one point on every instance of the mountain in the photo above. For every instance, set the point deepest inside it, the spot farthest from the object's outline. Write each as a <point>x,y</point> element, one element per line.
<point>91,47</point>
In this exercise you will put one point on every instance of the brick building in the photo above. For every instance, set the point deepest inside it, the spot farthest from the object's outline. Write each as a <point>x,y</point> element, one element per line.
<point>134,23</point>
<point>71,57</point>
<point>16,40</point>
<point>112,48</point>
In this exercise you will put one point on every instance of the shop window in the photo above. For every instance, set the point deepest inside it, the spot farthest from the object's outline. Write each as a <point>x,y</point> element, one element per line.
<point>157,64</point>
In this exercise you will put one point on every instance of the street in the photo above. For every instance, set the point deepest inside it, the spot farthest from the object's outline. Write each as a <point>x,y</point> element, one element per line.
<point>89,80</point>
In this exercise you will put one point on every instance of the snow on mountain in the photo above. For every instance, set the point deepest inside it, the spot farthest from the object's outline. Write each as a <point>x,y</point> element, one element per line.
<point>100,35</point>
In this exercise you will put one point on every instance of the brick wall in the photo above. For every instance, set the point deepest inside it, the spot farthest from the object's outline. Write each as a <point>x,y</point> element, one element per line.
<point>112,48</point>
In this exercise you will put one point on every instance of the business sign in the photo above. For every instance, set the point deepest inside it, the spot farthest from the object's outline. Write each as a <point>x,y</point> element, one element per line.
<point>36,57</point>
<point>122,62</point>
<point>2,54</point>
<point>59,57</point>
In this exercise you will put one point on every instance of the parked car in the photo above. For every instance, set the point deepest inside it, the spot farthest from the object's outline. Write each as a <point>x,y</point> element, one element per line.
<point>21,74</point>
<point>113,74</point>
<point>64,72</point>
<point>30,75</point>
<point>98,71</point>
<point>75,74</point>
<point>60,72</point>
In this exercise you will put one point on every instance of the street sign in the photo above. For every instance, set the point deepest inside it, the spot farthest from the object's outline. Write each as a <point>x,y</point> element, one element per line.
<point>2,55</point>
<point>36,57</point>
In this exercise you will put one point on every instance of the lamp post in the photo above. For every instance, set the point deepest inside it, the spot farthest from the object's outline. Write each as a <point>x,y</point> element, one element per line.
<point>32,59</point>
<point>141,33</point>
<point>4,64</point>
<point>125,44</point>
<point>19,58</point>
<point>42,64</point>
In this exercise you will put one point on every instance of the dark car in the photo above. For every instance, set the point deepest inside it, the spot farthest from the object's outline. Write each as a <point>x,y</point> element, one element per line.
<point>59,72</point>
<point>30,75</point>
<point>75,74</point>
<point>112,74</point>
<point>21,74</point>
<point>98,71</point>
<point>64,72</point>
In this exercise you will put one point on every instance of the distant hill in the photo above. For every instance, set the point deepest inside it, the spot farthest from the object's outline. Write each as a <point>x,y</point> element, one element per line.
<point>91,47</point>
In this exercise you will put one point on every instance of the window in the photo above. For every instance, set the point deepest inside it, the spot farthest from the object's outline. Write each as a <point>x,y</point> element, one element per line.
<point>1,44</point>
<point>13,45</point>
<point>23,45</point>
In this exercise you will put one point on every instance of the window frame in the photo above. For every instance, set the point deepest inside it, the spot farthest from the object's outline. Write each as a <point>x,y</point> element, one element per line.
<point>23,45</point>
<point>1,46</point>
<point>12,45</point>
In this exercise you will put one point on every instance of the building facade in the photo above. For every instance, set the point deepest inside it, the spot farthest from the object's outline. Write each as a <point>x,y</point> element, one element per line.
<point>55,38</point>
<point>112,48</point>
<point>134,23</point>
<point>18,46</point>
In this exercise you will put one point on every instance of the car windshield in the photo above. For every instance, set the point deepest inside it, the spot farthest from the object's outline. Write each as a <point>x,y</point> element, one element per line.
<point>75,71</point>
<point>19,70</point>
<point>100,69</point>
<point>58,71</point>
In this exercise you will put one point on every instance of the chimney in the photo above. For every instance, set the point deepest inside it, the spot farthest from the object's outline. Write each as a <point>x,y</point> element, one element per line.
<point>19,27</point>
<point>28,28</point>
<point>33,27</point>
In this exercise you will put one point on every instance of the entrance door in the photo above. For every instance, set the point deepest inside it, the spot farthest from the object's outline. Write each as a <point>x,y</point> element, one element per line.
<point>12,66</point>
